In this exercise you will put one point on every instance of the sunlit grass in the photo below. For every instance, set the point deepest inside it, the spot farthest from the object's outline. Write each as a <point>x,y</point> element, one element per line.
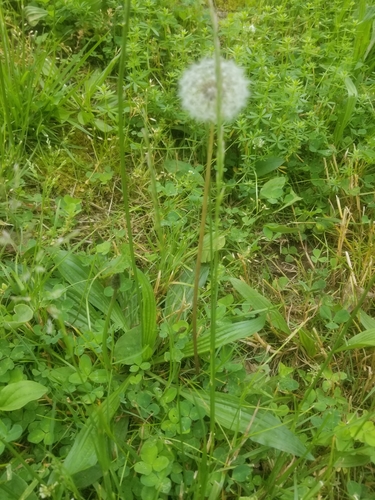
<point>96,300</point>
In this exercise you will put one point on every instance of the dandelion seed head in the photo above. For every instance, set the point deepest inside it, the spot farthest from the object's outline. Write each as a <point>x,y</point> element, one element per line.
<point>198,90</point>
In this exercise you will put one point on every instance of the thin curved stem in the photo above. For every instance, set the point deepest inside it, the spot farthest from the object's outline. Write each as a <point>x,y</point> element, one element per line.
<point>206,195</point>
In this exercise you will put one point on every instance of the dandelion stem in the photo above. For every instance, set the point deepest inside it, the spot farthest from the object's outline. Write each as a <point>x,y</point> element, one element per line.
<point>219,196</point>
<point>121,135</point>
<point>206,194</point>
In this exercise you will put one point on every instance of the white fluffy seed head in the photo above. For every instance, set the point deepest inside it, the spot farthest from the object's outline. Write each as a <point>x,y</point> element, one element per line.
<point>198,90</point>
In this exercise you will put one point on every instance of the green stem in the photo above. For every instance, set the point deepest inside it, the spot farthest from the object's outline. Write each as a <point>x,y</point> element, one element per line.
<point>215,233</point>
<point>154,193</point>
<point>107,360</point>
<point>124,176</point>
<point>206,194</point>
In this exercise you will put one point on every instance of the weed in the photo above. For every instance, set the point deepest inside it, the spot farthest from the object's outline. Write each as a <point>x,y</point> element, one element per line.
<point>101,325</point>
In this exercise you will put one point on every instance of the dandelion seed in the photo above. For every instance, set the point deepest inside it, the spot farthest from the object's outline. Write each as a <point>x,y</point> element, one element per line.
<point>198,90</point>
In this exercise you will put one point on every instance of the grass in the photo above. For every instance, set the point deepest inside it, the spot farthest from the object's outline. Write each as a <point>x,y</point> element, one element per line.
<point>101,193</point>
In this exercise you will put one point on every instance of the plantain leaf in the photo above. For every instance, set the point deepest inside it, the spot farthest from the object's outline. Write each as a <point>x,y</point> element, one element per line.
<point>225,334</point>
<point>86,286</point>
<point>363,339</point>
<point>34,14</point>
<point>260,425</point>
<point>258,302</point>
<point>128,348</point>
<point>149,330</point>
<point>83,453</point>
<point>347,111</point>
<point>180,294</point>
<point>16,395</point>
<point>367,321</point>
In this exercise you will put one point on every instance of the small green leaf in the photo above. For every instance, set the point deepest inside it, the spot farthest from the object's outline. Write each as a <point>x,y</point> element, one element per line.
<point>217,244</point>
<point>264,167</point>
<point>17,395</point>
<point>273,189</point>
<point>102,125</point>
<point>36,436</point>
<point>169,395</point>
<point>341,316</point>
<point>160,464</point>
<point>85,364</point>
<point>241,473</point>
<point>150,480</point>
<point>99,376</point>
<point>22,314</point>
<point>149,451</point>
<point>143,468</point>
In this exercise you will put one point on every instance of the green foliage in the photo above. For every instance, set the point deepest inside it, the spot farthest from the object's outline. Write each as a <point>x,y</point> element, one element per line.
<point>98,397</point>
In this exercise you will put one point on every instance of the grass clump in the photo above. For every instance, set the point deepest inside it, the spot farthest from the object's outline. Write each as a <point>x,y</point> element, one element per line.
<point>117,378</point>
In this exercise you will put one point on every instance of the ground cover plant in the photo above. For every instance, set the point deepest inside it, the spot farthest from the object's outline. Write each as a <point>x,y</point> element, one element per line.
<point>149,351</point>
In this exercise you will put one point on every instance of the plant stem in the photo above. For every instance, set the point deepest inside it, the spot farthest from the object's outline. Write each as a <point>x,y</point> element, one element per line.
<point>215,233</point>
<point>206,194</point>
<point>124,176</point>
<point>106,359</point>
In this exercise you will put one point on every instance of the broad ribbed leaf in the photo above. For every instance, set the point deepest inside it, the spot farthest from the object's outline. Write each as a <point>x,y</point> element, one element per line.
<point>17,395</point>
<point>83,453</point>
<point>363,339</point>
<point>367,321</point>
<point>225,334</point>
<point>86,286</point>
<point>149,330</point>
<point>180,294</point>
<point>259,425</point>
<point>258,302</point>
